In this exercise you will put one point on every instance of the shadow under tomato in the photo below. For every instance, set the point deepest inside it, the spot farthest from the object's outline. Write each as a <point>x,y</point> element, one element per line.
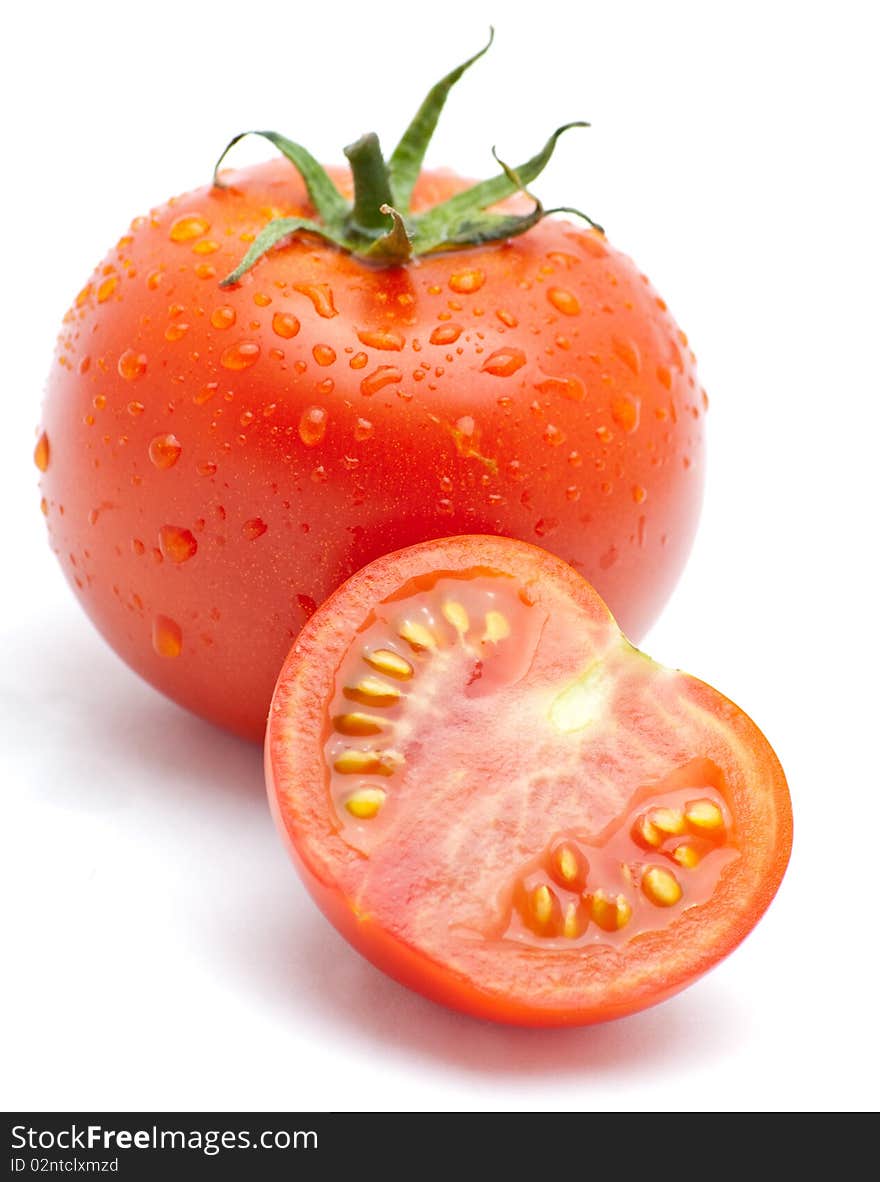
<point>112,733</point>
<point>190,785</point>
<point>295,960</point>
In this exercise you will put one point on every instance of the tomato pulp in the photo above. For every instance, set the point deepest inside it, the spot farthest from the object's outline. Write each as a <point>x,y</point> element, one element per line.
<point>215,461</point>
<point>503,804</point>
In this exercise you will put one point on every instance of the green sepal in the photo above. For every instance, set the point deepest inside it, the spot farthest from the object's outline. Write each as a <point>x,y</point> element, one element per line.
<point>443,224</point>
<point>383,191</point>
<point>405,162</point>
<point>274,233</point>
<point>329,203</point>
<point>394,247</point>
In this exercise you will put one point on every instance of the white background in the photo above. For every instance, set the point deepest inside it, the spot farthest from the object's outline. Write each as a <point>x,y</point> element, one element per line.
<point>159,950</point>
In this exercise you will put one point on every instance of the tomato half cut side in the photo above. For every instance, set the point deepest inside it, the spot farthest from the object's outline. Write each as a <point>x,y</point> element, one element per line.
<point>507,807</point>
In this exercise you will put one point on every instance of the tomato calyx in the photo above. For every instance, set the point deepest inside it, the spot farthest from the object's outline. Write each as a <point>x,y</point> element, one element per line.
<point>379,225</point>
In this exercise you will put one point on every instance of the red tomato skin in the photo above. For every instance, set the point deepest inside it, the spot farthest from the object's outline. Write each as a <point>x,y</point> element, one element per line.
<point>212,478</point>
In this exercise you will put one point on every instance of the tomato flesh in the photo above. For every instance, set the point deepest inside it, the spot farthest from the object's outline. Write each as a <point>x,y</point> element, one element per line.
<point>503,803</point>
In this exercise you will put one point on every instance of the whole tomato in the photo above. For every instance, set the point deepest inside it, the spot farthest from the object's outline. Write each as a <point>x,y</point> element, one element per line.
<point>217,457</point>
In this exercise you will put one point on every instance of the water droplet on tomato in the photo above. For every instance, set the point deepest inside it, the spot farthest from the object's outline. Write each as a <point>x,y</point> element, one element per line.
<point>564,301</point>
<point>382,338</point>
<point>285,324</point>
<point>363,429</point>
<point>321,296</point>
<point>176,543</point>
<point>324,354</point>
<point>553,435</point>
<point>254,528</point>
<point>359,361</point>
<point>187,227</point>
<point>628,353</point>
<point>384,375</point>
<point>176,331</point>
<point>504,362</point>
<point>571,388</point>
<point>625,412</point>
<point>446,334</point>
<point>546,526</point>
<point>241,355</point>
<point>208,468</point>
<point>639,494</point>
<point>41,452</point>
<point>507,318</point>
<point>313,425</point>
<point>467,281</point>
<point>223,317</point>
<point>131,365</point>
<point>603,434</point>
<point>167,637</point>
<point>261,299</point>
<point>107,288</point>
<point>164,450</point>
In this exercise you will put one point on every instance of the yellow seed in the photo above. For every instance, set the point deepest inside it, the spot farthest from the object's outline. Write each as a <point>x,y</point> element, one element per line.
<point>571,925</point>
<point>372,692</point>
<point>358,724</point>
<point>624,911</point>
<point>542,904</point>
<point>418,635</point>
<point>383,660</point>
<point>610,914</point>
<point>647,834</point>
<point>670,821</point>
<point>497,627</point>
<point>661,886</point>
<point>457,616</point>
<point>365,803</point>
<point>567,863</point>
<point>686,855</point>
<point>355,762</point>
<point>704,815</point>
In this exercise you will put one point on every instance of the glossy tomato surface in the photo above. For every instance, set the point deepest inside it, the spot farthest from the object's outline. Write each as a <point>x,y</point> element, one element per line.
<point>507,807</point>
<point>216,461</point>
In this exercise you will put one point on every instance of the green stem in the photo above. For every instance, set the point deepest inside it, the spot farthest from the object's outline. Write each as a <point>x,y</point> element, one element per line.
<point>372,185</point>
<point>387,231</point>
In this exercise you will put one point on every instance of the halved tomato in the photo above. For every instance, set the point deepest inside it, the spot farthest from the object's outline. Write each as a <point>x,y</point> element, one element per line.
<point>503,804</point>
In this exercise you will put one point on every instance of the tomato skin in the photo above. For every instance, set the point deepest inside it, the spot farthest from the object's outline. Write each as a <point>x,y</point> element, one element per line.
<point>212,477</point>
<point>651,967</point>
